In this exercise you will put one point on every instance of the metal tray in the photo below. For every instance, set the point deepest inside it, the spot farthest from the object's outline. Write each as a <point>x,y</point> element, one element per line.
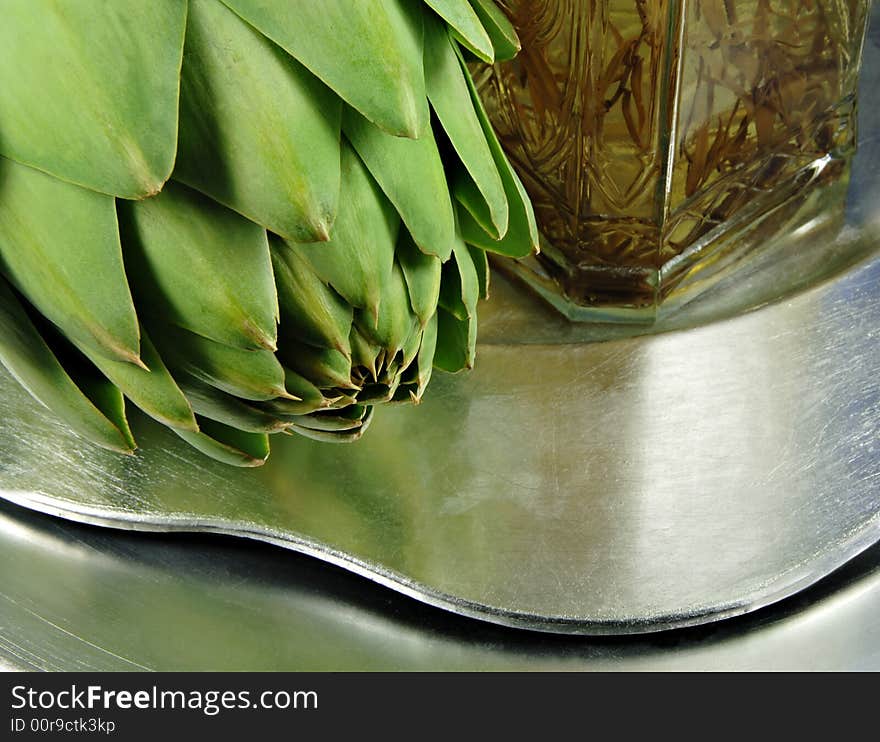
<point>75,597</point>
<point>579,480</point>
<point>632,485</point>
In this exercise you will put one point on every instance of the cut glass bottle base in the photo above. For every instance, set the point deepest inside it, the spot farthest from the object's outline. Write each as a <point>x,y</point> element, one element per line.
<point>803,215</point>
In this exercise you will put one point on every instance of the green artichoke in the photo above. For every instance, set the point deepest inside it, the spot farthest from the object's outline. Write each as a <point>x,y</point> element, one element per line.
<point>245,216</point>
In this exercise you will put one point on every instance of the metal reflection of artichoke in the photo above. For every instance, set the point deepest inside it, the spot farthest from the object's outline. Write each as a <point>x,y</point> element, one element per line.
<point>245,216</point>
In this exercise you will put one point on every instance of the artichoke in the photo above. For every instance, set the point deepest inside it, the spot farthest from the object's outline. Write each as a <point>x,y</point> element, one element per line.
<point>245,216</point>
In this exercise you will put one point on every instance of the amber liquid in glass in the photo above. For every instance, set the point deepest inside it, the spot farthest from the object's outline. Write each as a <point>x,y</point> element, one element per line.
<point>643,128</point>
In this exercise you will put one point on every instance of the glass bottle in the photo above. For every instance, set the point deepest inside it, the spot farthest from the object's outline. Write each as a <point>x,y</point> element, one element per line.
<point>661,141</point>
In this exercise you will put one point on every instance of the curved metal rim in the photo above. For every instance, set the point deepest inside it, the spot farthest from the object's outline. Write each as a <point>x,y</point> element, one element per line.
<point>797,578</point>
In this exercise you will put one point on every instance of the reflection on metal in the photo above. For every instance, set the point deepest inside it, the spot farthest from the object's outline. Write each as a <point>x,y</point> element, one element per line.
<point>630,485</point>
<point>78,598</point>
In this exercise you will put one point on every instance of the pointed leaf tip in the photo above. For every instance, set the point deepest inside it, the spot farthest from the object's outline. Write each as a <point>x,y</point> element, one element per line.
<point>60,247</point>
<point>368,52</point>
<point>105,116</point>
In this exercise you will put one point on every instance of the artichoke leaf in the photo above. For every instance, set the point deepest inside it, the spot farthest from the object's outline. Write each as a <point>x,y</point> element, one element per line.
<point>250,374</point>
<point>89,90</point>
<point>258,132</point>
<point>213,404</point>
<point>349,418</point>
<point>425,359</point>
<point>301,389</point>
<point>28,357</point>
<point>393,325</point>
<point>305,397</point>
<point>311,311</point>
<point>153,391</point>
<point>364,353</point>
<point>284,409</point>
<point>521,238</point>
<point>456,342</point>
<point>348,436</point>
<point>423,275</point>
<point>460,289</point>
<point>227,444</point>
<point>410,349</point>
<point>498,27</point>
<point>325,368</point>
<point>357,260</point>
<point>198,265</point>
<point>59,245</point>
<point>466,27</point>
<point>397,164</point>
<point>481,264</point>
<point>457,313</point>
<point>369,52</point>
<point>478,183</point>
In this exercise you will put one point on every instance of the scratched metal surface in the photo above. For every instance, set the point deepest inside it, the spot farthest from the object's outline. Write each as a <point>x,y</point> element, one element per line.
<point>609,487</point>
<point>80,598</point>
<point>630,485</point>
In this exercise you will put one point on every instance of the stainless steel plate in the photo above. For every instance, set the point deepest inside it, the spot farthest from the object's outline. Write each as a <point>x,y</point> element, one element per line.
<point>628,485</point>
<point>80,598</point>
<point>613,487</point>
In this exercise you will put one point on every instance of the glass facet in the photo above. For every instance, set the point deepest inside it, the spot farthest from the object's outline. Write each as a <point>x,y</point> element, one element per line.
<point>662,140</point>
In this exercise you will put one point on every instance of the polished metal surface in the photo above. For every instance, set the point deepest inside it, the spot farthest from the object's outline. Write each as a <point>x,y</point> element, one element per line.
<point>609,487</point>
<point>80,598</point>
<point>631,485</point>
